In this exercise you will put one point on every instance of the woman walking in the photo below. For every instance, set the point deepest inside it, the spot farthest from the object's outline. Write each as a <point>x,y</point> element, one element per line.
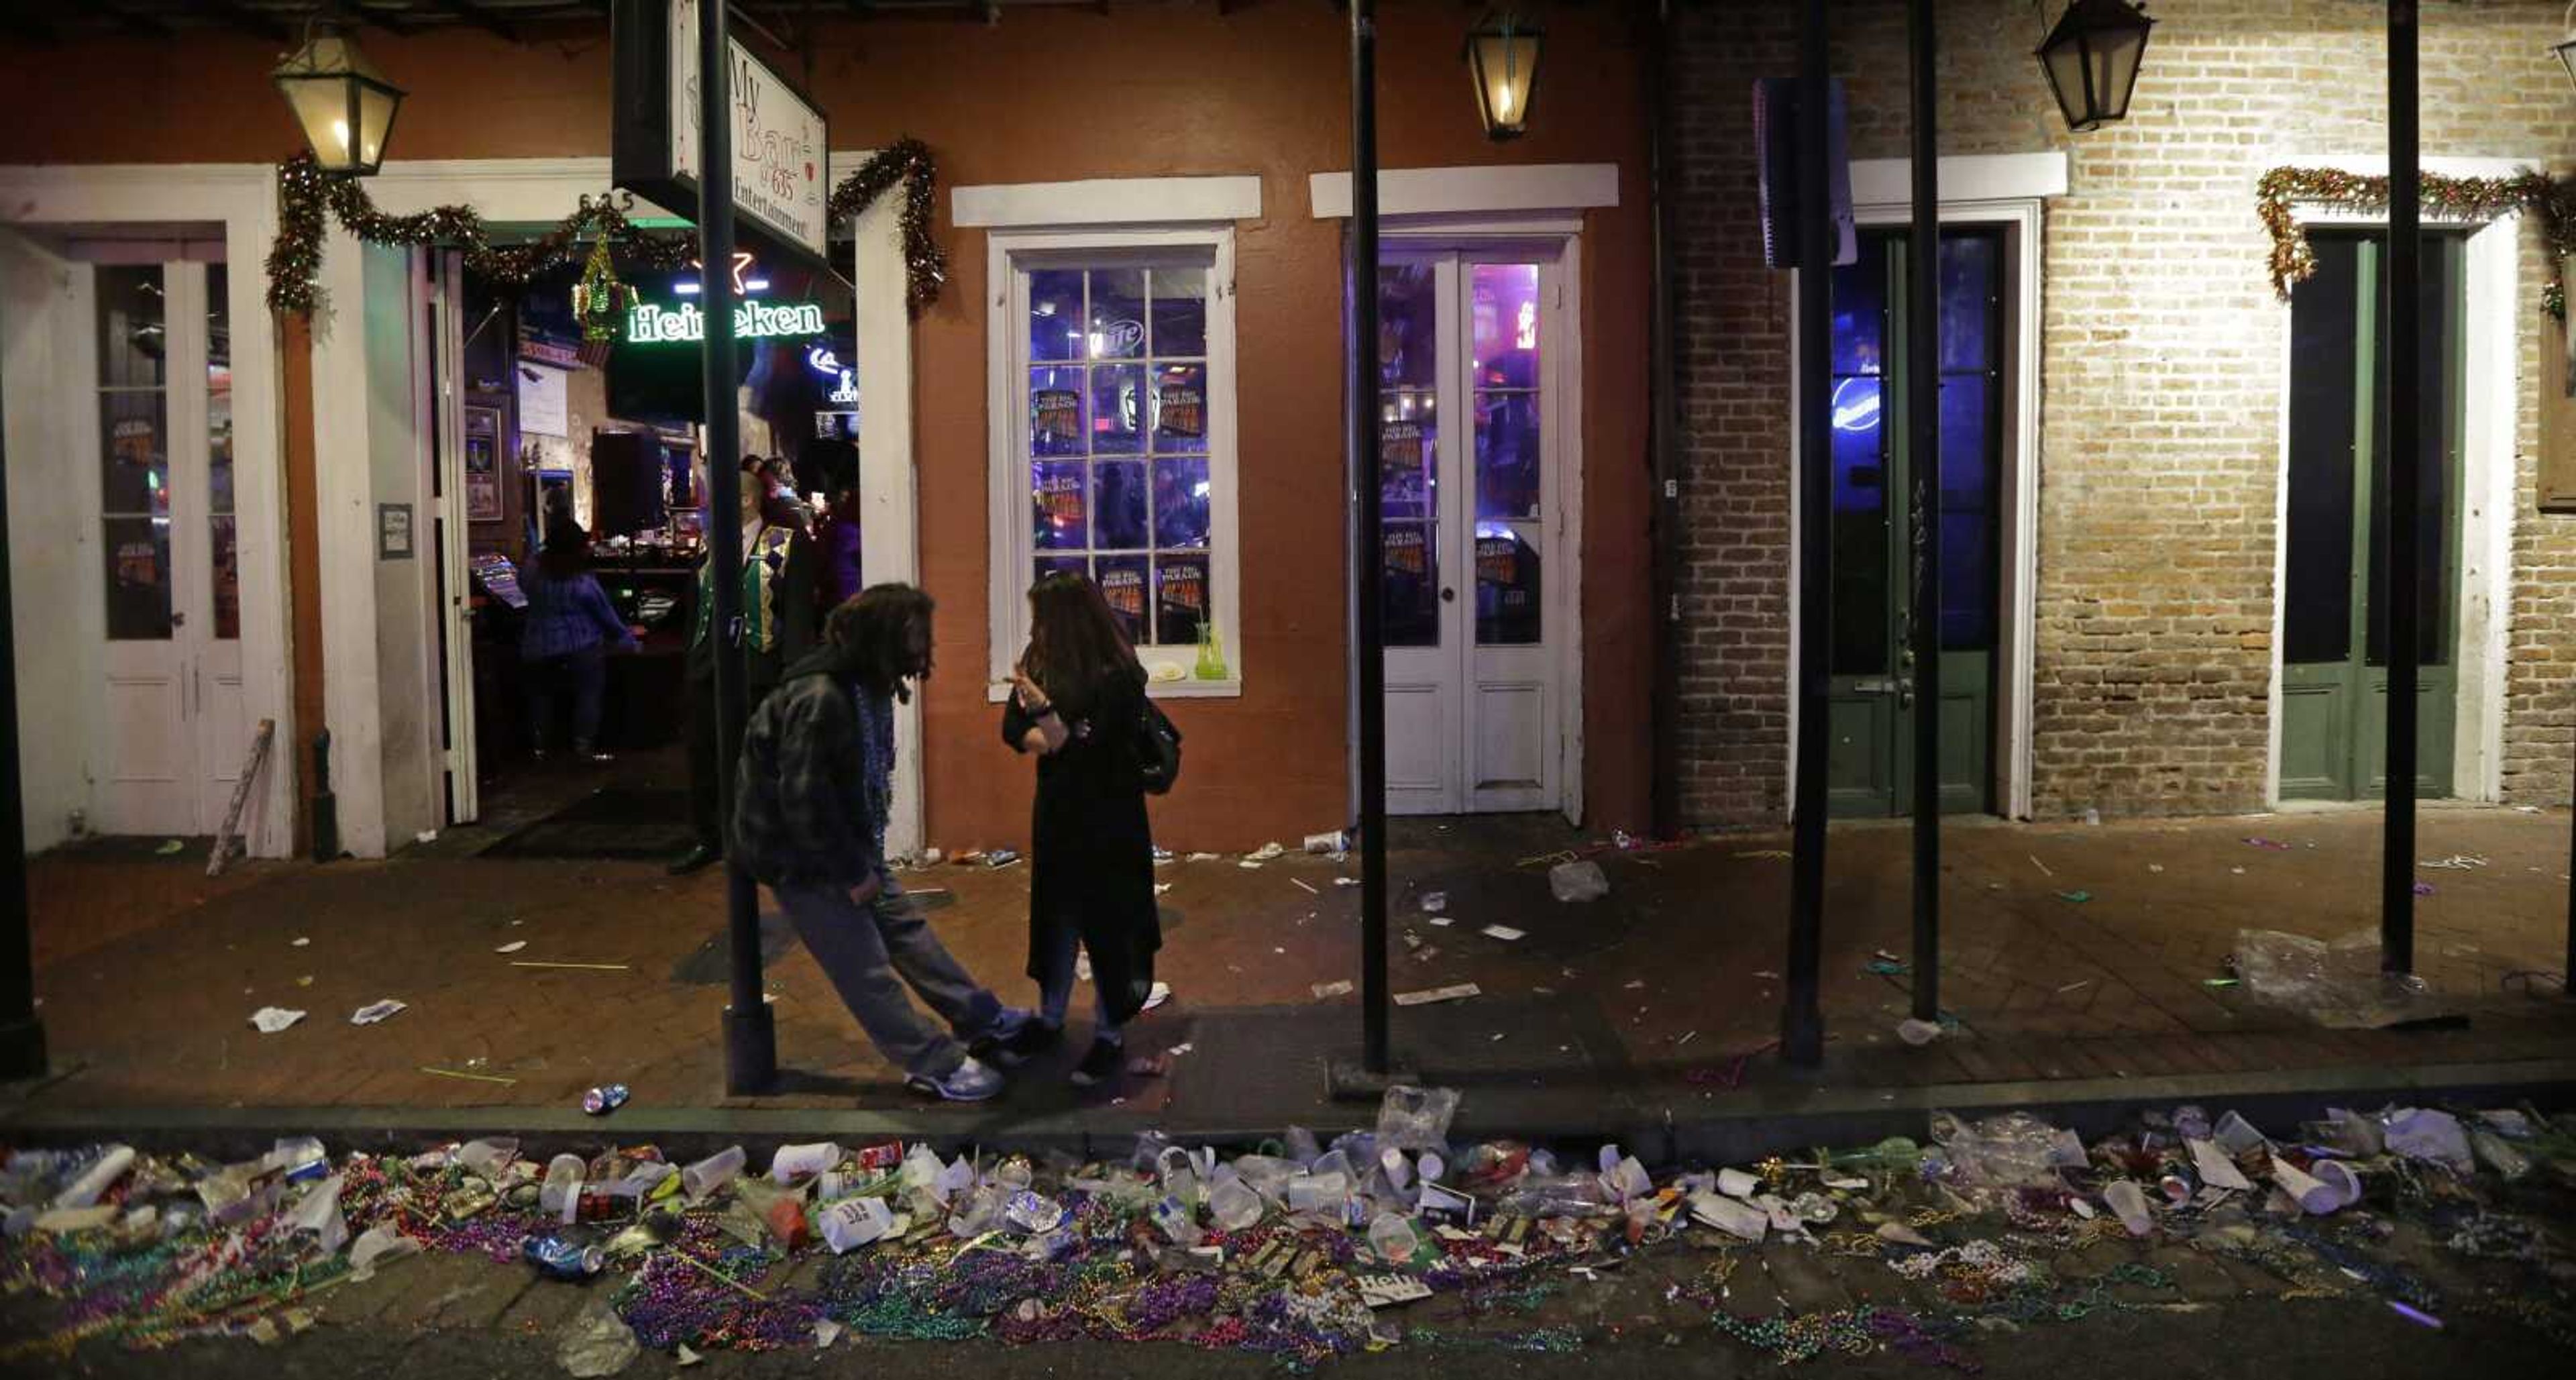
<point>570,627</point>
<point>1077,698</point>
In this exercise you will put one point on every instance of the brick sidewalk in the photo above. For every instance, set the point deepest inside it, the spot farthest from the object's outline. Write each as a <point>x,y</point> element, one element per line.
<point>148,973</point>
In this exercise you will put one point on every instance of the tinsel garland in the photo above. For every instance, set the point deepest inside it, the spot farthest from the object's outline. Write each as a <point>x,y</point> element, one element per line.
<point>306,195</point>
<point>2450,198</point>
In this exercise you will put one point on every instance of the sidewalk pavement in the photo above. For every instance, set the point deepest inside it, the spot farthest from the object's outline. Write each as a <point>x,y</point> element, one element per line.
<point>1649,1009</point>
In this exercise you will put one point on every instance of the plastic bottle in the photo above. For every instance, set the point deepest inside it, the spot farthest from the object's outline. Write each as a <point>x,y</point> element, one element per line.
<point>1392,1238</point>
<point>1177,1222</point>
<point>1302,1148</point>
<point>2130,1202</point>
<point>561,1196</point>
<point>713,1172</point>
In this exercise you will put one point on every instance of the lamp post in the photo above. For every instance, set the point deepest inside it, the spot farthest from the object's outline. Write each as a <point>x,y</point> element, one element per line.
<point>2091,59</point>
<point>1502,57</point>
<point>344,105</point>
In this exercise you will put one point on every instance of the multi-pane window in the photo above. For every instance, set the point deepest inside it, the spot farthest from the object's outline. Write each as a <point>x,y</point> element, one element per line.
<point>134,431</point>
<point>1118,441</point>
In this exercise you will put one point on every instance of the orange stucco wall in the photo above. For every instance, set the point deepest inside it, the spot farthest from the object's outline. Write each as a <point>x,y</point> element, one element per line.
<point>1047,96</point>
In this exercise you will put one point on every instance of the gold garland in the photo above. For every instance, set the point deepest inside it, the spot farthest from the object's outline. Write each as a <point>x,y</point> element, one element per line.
<point>2452,198</point>
<point>306,195</point>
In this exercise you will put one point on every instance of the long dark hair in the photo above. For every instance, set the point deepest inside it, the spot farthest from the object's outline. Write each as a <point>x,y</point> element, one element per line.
<point>1077,651</point>
<point>873,633</point>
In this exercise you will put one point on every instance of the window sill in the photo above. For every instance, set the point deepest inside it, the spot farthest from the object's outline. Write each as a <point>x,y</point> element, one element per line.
<point>1160,690</point>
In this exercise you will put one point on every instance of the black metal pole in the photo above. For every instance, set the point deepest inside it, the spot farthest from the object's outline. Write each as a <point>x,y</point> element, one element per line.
<point>2405,491</point>
<point>1923,442</point>
<point>22,1036</point>
<point>1664,802</point>
<point>1366,540</point>
<point>1802,1022</point>
<point>751,1038</point>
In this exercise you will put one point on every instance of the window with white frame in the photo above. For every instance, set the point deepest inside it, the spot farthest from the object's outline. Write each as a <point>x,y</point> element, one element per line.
<point>1113,441</point>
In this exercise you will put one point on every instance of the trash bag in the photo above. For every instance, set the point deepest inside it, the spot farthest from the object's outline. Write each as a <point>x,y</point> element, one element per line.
<point>596,1342</point>
<point>1415,1118</point>
<point>1578,881</point>
<point>2009,1151</point>
<point>2421,1133</point>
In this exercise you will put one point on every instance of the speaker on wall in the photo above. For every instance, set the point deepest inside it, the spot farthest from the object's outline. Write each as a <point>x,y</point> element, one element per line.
<point>626,474</point>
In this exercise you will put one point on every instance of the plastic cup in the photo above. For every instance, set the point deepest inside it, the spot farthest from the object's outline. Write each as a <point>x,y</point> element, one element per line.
<point>713,1172</point>
<point>2339,1176</point>
<point>1392,1238</point>
<point>795,1162</point>
<point>2313,1197</point>
<point>560,1196</point>
<point>2130,1203</point>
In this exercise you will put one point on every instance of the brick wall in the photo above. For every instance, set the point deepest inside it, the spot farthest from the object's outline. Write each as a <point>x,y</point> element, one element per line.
<point>2161,360</point>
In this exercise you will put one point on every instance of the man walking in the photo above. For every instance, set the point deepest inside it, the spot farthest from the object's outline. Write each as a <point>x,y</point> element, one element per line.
<point>816,778</point>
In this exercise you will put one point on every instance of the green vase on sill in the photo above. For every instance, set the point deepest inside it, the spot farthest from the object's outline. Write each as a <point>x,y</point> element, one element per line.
<point>1211,653</point>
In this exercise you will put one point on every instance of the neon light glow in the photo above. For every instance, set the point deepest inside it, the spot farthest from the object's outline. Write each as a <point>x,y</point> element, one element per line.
<point>650,323</point>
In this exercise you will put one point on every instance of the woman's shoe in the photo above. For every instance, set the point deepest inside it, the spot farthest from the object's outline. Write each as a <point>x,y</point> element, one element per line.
<point>1101,1064</point>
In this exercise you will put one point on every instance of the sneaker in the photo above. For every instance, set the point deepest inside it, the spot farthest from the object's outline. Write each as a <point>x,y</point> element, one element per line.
<point>1034,1037</point>
<point>1102,1063</point>
<point>971,1081</point>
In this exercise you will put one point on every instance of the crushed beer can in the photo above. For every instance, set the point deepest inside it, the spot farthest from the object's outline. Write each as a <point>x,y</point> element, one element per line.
<point>601,1101</point>
<point>564,1259</point>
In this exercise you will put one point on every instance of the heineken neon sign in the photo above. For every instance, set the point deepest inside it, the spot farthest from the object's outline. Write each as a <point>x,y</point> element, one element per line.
<point>649,323</point>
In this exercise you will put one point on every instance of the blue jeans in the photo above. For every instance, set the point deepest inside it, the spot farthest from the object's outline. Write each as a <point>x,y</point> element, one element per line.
<point>587,669</point>
<point>872,951</point>
<point>1055,992</point>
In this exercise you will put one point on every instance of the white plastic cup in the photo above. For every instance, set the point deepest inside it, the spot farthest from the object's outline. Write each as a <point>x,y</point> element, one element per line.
<point>712,1173</point>
<point>1399,1172</point>
<point>2313,1197</point>
<point>2130,1202</point>
<point>1317,1192</point>
<point>1735,1183</point>
<point>2339,1176</point>
<point>1392,1238</point>
<point>560,1196</point>
<point>795,1162</point>
<point>853,1222</point>
<point>1737,1219</point>
<point>86,1189</point>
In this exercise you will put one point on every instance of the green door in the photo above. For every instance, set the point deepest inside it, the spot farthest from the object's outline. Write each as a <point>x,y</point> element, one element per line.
<point>1871,699</point>
<point>2334,672</point>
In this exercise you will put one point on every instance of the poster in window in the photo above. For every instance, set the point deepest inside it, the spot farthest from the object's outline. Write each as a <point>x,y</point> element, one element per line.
<point>1055,414</point>
<point>483,464</point>
<point>1497,560</point>
<point>1180,599</point>
<point>1060,515</point>
<point>1400,469</point>
<point>1123,585</point>
<point>1405,551</point>
<point>1180,410</point>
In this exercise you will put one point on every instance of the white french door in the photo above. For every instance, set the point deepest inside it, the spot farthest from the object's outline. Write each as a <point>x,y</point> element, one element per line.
<point>177,731</point>
<point>1470,361</point>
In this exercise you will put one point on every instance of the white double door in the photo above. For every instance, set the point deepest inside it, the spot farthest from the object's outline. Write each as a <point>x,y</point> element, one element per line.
<point>160,479</point>
<point>1472,354</point>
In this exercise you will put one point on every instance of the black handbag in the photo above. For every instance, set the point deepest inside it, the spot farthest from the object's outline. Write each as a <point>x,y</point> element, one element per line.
<point>1158,749</point>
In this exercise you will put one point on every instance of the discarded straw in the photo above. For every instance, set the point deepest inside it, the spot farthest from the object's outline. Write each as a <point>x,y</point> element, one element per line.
<point>594,967</point>
<point>471,1077</point>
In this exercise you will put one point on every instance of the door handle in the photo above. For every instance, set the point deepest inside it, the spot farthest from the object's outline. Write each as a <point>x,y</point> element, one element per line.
<point>1448,595</point>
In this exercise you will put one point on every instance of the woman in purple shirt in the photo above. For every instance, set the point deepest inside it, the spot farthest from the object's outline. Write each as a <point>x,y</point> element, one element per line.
<point>569,627</point>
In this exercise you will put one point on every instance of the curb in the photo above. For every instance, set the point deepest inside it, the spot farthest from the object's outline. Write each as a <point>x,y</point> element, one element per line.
<point>1723,1127</point>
